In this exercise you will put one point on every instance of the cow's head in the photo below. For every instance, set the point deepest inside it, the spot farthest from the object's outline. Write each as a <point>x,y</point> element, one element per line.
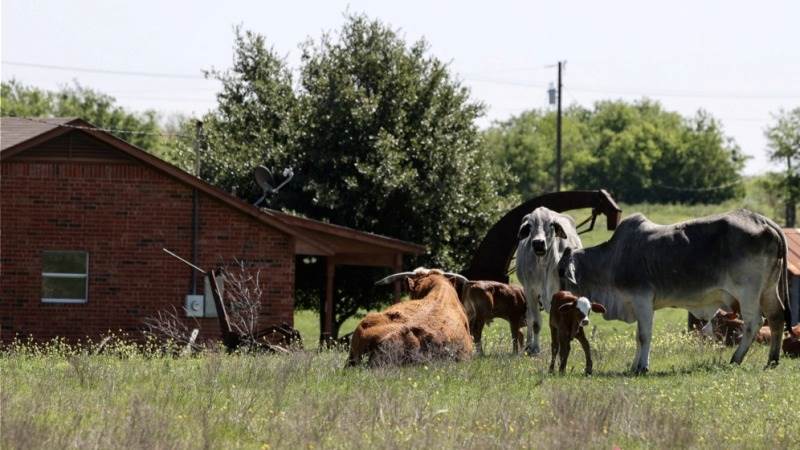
<point>422,280</point>
<point>577,311</point>
<point>542,228</point>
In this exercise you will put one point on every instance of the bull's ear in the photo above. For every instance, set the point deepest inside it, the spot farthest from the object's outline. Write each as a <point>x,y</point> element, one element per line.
<point>566,306</point>
<point>566,268</point>
<point>410,284</point>
<point>564,262</point>
<point>524,231</point>
<point>559,230</point>
<point>598,308</point>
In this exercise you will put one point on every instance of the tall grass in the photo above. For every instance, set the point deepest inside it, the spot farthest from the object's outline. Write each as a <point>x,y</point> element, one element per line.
<point>61,397</point>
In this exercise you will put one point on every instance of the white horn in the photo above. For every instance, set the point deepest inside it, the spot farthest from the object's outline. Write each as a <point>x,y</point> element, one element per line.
<point>456,275</point>
<point>394,277</point>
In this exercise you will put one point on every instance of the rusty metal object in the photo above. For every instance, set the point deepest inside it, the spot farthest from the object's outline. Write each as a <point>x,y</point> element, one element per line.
<point>494,254</point>
<point>276,338</point>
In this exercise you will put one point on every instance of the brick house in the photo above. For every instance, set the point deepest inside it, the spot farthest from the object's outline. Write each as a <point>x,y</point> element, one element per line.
<point>84,219</point>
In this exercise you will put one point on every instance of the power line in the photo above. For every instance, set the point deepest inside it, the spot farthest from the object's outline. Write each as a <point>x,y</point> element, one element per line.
<point>587,89</point>
<point>509,70</point>
<point>654,93</point>
<point>688,94</point>
<point>109,130</point>
<point>506,82</point>
<point>181,76</point>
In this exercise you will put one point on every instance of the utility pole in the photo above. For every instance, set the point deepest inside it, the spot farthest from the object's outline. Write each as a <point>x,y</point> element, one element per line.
<point>558,130</point>
<point>790,217</point>
<point>198,130</point>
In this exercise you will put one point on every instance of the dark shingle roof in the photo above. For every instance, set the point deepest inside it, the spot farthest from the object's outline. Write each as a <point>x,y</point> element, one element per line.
<point>15,130</point>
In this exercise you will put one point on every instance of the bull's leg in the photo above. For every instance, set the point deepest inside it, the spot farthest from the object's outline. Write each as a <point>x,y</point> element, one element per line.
<point>586,350</point>
<point>771,305</point>
<point>643,309</point>
<point>553,347</point>
<point>477,332</point>
<point>751,315</point>
<point>751,326</point>
<point>534,317</point>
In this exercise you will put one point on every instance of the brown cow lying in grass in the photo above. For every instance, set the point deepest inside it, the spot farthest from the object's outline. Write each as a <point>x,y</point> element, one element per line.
<point>486,300</point>
<point>568,315</point>
<point>431,326</point>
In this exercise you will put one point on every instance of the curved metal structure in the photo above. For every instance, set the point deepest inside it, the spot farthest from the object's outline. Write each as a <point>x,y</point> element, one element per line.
<point>494,254</point>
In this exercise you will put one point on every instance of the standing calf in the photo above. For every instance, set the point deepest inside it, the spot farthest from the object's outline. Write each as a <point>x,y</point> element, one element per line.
<point>486,300</point>
<point>568,315</point>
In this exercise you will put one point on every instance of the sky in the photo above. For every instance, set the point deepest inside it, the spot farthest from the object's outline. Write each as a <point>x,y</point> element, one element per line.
<point>738,60</point>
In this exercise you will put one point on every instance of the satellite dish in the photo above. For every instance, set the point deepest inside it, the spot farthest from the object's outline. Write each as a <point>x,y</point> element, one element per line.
<point>266,181</point>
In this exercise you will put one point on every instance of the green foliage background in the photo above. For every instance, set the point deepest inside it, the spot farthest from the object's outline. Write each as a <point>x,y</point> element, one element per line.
<point>637,151</point>
<point>19,100</point>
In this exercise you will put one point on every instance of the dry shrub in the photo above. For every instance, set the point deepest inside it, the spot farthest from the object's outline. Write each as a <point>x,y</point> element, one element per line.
<point>169,328</point>
<point>242,296</point>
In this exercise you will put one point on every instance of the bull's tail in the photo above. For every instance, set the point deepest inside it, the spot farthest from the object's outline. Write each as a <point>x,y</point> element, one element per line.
<point>783,289</point>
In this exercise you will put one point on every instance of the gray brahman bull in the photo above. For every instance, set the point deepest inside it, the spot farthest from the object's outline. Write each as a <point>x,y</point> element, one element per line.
<point>697,265</point>
<point>543,236</point>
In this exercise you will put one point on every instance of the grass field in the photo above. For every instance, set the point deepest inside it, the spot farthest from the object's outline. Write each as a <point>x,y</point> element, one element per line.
<point>60,397</point>
<point>692,398</point>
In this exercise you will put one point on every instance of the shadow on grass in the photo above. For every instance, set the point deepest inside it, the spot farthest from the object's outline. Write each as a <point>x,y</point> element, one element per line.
<point>690,369</point>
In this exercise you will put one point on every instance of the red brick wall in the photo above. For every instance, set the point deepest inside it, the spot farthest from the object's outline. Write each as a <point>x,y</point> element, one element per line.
<point>122,215</point>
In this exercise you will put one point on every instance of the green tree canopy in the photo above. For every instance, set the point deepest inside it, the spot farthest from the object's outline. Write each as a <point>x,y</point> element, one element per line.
<point>99,109</point>
<point>638,151</point>
<point>381,138</point>
<point>525,147</point>
<point>783,138</point>
<point>783,145</point>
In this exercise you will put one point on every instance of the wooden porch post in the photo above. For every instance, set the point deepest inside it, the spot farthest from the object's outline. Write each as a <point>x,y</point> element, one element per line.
<point>330,271</point>
<point>398,267</point>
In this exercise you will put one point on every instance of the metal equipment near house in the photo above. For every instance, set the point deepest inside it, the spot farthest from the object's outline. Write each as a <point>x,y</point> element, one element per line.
<point>277,338</point>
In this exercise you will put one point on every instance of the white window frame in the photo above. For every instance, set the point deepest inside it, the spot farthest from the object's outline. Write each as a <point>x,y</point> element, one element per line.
<point>85,276</point>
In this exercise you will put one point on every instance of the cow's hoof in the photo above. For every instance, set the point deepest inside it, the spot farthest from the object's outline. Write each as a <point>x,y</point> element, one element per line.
<point>532,351</point>
<point>640,371</point>
<point>771,365</point>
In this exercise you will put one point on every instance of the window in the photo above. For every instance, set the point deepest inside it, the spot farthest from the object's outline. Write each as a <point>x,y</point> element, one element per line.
<point>65,277</point>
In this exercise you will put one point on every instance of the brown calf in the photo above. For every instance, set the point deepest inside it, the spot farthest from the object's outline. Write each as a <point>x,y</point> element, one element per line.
<point>764,335</point>
<point>725,327</point>
<point>791,344</point>
<point>432,325</point>
<point>487,300</point>
<point>568,315</point>
<point>791,341</point>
